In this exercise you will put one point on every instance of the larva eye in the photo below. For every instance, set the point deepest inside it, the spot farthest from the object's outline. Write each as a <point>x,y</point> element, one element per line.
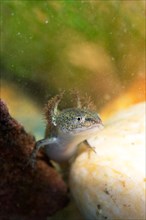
<point>80,119</point>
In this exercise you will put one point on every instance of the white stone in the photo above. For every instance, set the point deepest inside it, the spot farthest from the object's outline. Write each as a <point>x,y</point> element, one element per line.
<point>110,184</point>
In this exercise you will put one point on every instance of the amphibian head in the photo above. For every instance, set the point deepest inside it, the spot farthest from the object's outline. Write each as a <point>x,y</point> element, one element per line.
<point>73,121</point>
<point>76,121</point>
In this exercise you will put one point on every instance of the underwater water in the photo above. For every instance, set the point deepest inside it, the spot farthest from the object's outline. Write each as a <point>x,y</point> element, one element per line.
<point>96,48</point>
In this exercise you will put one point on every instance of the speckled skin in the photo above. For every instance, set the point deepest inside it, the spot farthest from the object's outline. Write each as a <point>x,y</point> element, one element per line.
<point>68,129</point>
<point>75,119</point>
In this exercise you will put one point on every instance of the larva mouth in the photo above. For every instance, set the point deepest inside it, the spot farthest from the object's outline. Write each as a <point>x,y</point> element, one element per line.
<point>90,129</point>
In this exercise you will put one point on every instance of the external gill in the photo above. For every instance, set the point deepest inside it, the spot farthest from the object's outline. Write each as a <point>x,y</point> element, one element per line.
<point>51,110</point>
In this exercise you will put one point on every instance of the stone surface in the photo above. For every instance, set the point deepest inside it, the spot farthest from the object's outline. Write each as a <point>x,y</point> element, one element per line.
<point>110,184</point>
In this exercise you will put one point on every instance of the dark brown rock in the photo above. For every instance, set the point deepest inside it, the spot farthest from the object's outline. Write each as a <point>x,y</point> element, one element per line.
<point>25,193</point>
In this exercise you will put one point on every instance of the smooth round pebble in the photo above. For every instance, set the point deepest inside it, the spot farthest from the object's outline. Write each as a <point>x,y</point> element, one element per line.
<point>109,182</point>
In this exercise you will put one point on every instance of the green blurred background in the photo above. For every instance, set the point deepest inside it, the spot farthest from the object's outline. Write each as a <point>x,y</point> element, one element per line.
<point>96,47</point>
